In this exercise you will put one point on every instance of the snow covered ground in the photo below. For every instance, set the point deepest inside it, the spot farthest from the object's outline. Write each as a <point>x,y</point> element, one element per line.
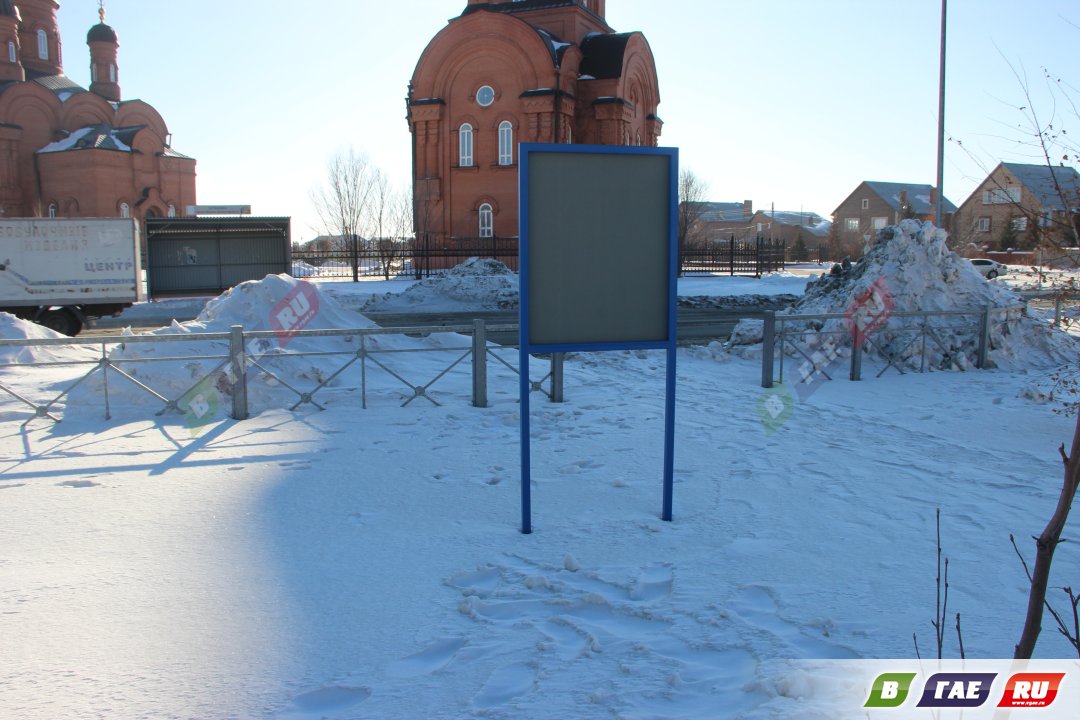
<point>354,563</point>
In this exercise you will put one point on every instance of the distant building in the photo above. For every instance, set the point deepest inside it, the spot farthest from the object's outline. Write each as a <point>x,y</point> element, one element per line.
<point>507,72</point>
<point>874,205</point>
<point>66,151</point>
<point>1020,206</point>
<point>718,221</point>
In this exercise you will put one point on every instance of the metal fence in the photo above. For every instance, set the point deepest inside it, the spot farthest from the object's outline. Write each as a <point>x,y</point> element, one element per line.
<point>396,257</point>
<point>959,340</point>
<point>733,257</point>
<point>905,342</point>
<point>431,255</point>
<point>232,364</point>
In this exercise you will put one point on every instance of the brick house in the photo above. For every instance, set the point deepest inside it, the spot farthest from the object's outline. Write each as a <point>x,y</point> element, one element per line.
<point>66,151</point>
<point>874,205</point>
<point>1020,206</point>
<point>713,221</point>
<point>507,72</point>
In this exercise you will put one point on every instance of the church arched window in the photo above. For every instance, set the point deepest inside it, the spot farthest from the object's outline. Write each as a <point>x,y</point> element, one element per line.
<point>112,73</point>
<point>506,143</point>
<point>465,145</point>
<point>42,45</point>
<point>12,53</point>
<point>93,72</point>
<point>487,221</point>
<point>172,211</point>
<point>53,209</point>
<point>125,210</point>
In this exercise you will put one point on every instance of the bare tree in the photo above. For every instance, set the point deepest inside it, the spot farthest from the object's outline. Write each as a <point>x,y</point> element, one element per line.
<point>1045,545</point>
<point>343,200</point>
<point>1055,147</point>
<point>693,194</point>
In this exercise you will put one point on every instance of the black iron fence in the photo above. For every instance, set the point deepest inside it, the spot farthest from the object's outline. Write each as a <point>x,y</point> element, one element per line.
<point>733,257</point>
<point>431,255</point>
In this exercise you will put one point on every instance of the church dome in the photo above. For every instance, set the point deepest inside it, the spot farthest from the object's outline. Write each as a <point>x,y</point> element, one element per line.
<point>8,9</point>
<point>100,33</point>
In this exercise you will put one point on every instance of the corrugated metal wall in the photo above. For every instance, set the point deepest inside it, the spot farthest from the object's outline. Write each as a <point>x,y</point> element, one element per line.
<point>206,256</point>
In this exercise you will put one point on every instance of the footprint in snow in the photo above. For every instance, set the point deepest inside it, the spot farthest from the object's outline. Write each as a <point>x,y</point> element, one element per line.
<point>332,699</point>
<point>78,484</point>
<point>505,684</point>
<point>434,657</point>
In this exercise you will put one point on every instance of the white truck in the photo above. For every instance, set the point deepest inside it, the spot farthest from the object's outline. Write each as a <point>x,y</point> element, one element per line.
<point>61,273</point>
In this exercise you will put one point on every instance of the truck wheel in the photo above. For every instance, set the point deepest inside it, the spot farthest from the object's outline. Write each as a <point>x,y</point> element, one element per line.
<point>62,321</point>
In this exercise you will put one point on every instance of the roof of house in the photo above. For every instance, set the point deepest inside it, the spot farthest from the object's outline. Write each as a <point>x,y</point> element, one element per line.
<point>920,196</point>
<point>723,212</point>
<point>1039,180</point>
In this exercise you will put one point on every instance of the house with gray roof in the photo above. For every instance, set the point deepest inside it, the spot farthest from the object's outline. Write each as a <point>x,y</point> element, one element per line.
<point>1021,206</point>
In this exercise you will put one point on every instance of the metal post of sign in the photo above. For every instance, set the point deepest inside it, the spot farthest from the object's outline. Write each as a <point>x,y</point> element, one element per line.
<point>607,207</point>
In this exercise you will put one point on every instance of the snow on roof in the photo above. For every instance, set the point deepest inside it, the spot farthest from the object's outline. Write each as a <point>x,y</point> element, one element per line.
<point>918,195</point>
<point>95,137</point>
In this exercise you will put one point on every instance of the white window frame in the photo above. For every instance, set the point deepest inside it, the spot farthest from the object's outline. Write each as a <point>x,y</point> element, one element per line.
<point>93,72</point>
<point>112,73</point>
<point>852,224</point>
<point>1020,224</point>
<point>53,210</point>
<point>42,45</point>
<point>1002,196</point>
<point>982,225</point>
<point>487,221</point>
<point>125,210</point>
<point>465,145</point>
<point>879,223</point>
<point>866,204</point>
<point>506,143</point>
<point>13,53</point>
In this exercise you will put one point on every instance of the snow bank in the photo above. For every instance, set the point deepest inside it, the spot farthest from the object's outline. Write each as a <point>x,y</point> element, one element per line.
<point>908,268</point>
<point>13,328</point>
<point>476,284</point>
<point>277,303</point>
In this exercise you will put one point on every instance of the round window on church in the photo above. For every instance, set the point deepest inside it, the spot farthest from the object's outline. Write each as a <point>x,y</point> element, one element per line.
<point>485,96</point>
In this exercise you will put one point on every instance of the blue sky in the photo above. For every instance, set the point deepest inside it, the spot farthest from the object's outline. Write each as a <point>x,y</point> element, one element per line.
<point>785,102</point>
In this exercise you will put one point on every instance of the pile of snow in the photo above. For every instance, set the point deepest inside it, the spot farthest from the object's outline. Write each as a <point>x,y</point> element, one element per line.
<point>476,284</point>
<point>908,268</point>
<point>277,303</point>
<point>13,328</point>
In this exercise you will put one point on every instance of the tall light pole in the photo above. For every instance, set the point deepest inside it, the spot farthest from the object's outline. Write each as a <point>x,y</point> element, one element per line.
<point>939,220</point>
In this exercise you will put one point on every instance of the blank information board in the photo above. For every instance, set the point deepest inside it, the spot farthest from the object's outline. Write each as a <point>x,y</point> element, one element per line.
<point>597,240</point>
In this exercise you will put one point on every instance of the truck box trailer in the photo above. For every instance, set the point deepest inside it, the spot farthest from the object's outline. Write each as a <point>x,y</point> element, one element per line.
<point>61,273</point>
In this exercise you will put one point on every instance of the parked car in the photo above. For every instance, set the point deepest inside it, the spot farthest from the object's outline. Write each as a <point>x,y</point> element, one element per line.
<point>989,268</point>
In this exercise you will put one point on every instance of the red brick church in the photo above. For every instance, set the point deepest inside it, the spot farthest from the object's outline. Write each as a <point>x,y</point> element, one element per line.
<point>501,73</point>
<point>66,151</point>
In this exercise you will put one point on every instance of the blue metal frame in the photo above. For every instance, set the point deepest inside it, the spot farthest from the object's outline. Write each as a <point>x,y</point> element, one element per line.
<point>525,151</point>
